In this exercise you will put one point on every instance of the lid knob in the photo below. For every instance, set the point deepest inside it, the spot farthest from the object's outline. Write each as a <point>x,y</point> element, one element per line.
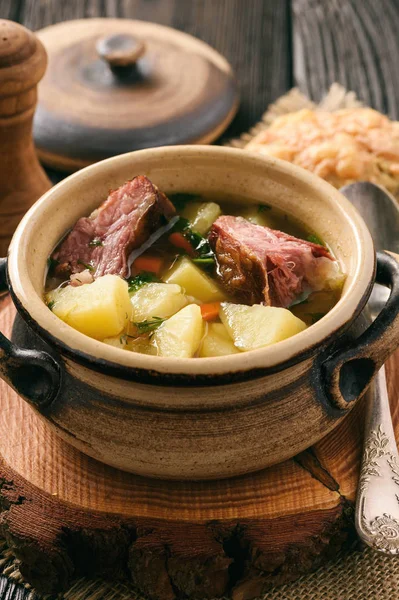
<point>120,50</point>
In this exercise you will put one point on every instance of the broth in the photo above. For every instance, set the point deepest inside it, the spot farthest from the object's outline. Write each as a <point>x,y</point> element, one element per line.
<point>183,258</point>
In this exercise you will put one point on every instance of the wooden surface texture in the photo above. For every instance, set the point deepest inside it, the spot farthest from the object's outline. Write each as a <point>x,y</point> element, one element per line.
<point>354,42</point>
<point>272,45</point>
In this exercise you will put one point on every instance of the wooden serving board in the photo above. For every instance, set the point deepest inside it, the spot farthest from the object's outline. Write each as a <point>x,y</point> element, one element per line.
<point>64,514</point>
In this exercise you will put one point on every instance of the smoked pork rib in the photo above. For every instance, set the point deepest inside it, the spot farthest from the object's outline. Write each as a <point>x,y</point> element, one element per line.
<point>261,265</point>
<point>103,242</point>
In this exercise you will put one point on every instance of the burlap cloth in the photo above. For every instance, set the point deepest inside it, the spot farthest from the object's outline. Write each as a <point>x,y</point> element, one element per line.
<point>354,575</point>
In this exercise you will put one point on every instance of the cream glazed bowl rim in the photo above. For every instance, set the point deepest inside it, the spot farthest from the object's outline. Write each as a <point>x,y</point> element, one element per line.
<point>23,262</point>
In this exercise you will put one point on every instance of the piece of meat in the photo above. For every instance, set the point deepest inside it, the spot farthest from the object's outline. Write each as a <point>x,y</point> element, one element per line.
<point>261,265</point>
<point>104,241</point>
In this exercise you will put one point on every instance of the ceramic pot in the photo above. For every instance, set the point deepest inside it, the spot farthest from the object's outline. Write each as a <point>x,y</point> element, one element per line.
<point>197,418</point>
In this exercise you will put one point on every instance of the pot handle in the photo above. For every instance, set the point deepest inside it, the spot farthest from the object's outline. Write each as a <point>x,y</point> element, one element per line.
<point>348,373</point>
<point>33,374</point>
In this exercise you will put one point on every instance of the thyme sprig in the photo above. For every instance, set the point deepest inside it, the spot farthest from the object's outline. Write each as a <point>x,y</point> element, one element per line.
<point>137,282</point>
<point>148,325</point>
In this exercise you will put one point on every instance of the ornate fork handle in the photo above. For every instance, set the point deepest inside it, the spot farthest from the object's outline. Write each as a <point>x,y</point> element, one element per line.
<point>377,506</point>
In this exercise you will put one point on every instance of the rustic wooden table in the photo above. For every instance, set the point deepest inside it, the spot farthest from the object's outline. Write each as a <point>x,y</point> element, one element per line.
<point>272,45</point>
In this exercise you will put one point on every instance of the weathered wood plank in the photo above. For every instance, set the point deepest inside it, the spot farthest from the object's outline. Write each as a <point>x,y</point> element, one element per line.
<point>40,13</point>
<point>11,9</point>
<point>349,41</point>
<point>253,36</point>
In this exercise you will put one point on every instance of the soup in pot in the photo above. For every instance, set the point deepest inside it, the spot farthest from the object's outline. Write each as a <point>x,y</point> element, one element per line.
<point>188,276</point>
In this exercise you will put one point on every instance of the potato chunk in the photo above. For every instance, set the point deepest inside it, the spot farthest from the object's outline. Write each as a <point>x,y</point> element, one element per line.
<point>201,215</point>
<point>259,215</point>
<point>160,299</point>
<point>181,335</point>
<point>257,326</point>
<point>100,309</point>
<point>194,281</point>
<point>217,342</point>
<point>316,306</point>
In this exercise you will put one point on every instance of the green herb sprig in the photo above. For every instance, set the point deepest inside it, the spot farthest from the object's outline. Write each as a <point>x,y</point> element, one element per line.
<point>181,225</point>
<point>204,254</point>
<point>137,282</point>
<point>204,261</point>
<point>86,265</point>
<point>149,325</point>
<point>315,239</point>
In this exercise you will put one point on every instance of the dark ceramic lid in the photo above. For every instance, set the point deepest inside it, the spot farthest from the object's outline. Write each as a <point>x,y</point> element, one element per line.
<point>115,85</point>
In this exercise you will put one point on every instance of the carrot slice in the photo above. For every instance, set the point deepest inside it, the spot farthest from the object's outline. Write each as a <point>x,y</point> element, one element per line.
<point>178,240</point>
<point>150,264</point>
<point>210,311</point>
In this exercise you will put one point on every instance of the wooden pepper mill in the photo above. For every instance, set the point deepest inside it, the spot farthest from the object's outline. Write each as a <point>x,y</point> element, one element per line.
<point>23,62</point>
